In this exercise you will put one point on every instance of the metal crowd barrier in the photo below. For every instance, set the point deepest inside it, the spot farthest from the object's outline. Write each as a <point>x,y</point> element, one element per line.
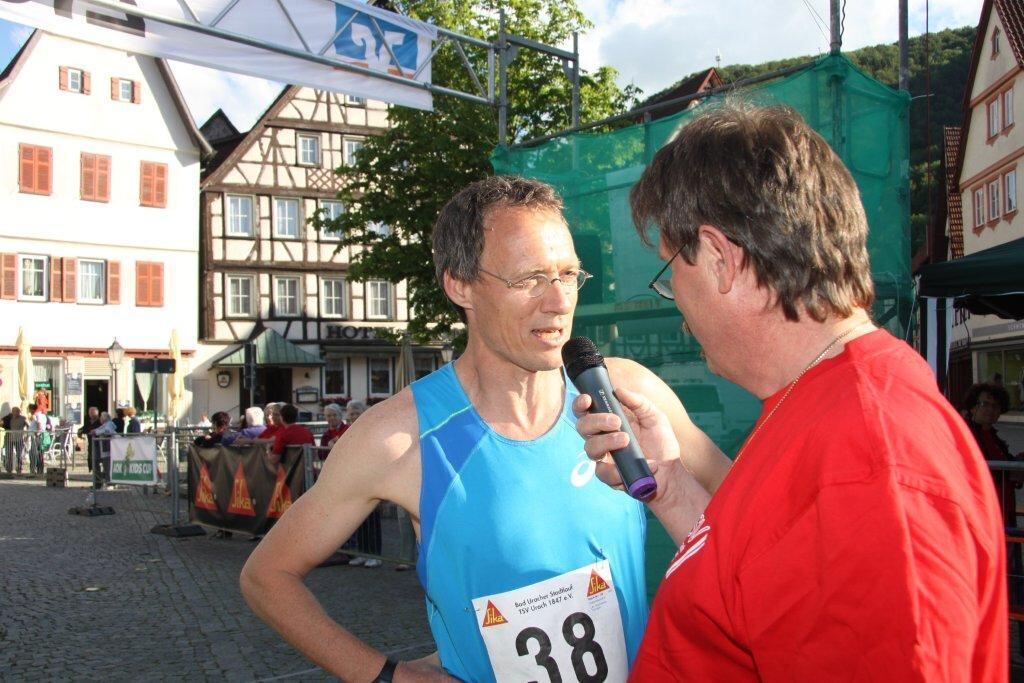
<point>1008,477</point>
<point>386,534</point>
<point>31,452</point>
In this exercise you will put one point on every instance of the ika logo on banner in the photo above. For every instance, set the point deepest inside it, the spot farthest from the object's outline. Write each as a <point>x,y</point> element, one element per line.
<point>361,34</point>
<point>133,460</point>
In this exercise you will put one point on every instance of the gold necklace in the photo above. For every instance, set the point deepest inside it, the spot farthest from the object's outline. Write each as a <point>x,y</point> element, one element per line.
<point>792,384</point>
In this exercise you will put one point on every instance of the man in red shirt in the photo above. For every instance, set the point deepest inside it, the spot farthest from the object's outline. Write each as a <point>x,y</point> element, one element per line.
<point>857,534</point>
<point>290,434</point>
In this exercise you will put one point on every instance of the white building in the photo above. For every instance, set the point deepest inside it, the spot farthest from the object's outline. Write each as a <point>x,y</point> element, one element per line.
<point>99,178</point>
<point>270,277</point>
<point>982,161</point>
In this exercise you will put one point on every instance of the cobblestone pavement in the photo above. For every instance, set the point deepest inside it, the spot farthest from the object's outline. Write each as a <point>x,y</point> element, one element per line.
<point>102,598</point>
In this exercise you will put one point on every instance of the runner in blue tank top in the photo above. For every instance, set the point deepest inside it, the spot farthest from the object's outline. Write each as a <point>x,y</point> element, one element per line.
<point>533,569</point>
<point>533,504</point>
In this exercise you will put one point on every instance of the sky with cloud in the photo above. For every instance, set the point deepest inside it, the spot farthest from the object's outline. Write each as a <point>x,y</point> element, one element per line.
<point>652,43</point>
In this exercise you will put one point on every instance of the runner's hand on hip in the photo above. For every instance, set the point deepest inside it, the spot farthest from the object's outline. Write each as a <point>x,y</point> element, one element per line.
<point>424,670</point>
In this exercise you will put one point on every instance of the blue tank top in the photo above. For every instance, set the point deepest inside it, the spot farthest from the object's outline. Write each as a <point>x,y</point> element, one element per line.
<point>497,514</point>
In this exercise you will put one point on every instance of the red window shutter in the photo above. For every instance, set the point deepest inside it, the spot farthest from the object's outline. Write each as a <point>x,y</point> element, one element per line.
<point>95,177</point>
<point>160,185</point>
<point>62,78</point>
<point>26,168</point>
<point>86,83</point>
<point>34,167</point>
<point>70,283</point>
<point>141,283</point>
<point>146,183</point>
<point>103,178</point>
<point>43,163</point>
<point>56,280</point>
<point>113,282</point>
<point>156,284</point>
<point>136,92</point>
<point>114,88</point>
<point>88,179</point>
<point>9,276</point>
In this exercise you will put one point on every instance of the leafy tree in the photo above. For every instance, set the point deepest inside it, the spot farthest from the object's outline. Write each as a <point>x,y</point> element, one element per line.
<point>403,177</point>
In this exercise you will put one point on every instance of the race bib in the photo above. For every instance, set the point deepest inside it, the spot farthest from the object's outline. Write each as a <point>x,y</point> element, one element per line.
<point>567,628</point>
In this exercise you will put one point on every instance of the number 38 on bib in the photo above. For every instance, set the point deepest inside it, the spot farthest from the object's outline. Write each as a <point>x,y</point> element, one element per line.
<point>567,628</point>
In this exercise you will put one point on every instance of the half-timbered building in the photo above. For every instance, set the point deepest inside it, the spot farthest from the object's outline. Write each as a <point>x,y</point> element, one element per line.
<point>270,278</point>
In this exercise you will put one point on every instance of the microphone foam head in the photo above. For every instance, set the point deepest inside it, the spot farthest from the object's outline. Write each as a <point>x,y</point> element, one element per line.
<point>579,354</point>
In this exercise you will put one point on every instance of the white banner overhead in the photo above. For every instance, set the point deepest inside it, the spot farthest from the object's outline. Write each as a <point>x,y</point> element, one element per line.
<point>339,45</point>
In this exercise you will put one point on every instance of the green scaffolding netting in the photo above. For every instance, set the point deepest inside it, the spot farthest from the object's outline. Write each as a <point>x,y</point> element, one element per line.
<point>864,121</point>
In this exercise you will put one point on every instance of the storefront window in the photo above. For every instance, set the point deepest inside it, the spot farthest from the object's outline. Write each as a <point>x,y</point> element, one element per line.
<point>1013,377</point>
<point>424,366</point>
<point>1005,366</point>
<point>380,377</point>
<point>336,377</point>
<point>47,386</point>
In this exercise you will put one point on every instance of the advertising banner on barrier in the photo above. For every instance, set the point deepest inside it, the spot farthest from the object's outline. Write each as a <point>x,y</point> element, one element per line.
<point>133,460</point>
<point>272,40</point>
<point>238,489</point>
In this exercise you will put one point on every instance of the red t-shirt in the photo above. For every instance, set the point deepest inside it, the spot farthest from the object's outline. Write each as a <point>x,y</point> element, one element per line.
<point>325,439</point>
<point>290,435</point>
<point>858,536</point>
<point>270,432</point>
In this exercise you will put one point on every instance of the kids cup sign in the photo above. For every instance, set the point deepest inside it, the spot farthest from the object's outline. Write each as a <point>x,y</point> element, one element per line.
<point>133,460</point>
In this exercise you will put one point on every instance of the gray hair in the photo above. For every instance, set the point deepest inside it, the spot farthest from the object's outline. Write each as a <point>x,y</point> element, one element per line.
<point>774,187</point>
<point>334,408</point>
<point>253,416</point>
<point>459,230</point>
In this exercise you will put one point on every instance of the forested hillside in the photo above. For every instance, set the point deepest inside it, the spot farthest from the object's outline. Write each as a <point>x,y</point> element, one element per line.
<point>943,73</point>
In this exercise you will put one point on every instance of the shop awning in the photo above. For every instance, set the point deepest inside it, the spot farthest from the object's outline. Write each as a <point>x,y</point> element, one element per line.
<point>988,282</point>
<point>271,350</point>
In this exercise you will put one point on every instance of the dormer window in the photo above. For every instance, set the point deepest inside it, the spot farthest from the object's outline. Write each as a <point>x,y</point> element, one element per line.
<point>995,41</point>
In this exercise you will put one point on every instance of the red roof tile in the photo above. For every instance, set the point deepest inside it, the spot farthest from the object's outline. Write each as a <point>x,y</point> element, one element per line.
<point>1011,14</point>
<point>954,203</point>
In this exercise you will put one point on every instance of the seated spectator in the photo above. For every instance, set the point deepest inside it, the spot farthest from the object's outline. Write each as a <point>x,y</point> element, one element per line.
<point>335,426</point>
<point>252,428</point>
<point>272,419</point>
<point>130,424</point>
<point>983,404</point>
<point>221,421</point>
<point>290,434</point>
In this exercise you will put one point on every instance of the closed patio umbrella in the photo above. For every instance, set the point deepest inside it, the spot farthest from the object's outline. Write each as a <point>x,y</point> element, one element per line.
<point>25,371</point>
<point>176,384</point>
<point>405,370</point>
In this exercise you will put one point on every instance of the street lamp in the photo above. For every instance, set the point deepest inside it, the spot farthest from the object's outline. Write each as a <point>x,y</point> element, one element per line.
<point>115,354</point>
<point>447,351</point>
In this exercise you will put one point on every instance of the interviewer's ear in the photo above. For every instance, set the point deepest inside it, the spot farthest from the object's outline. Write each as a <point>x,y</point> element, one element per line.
<point>725,257</point>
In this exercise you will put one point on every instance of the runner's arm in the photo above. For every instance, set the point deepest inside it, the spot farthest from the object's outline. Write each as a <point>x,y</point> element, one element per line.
<point>354,479</point>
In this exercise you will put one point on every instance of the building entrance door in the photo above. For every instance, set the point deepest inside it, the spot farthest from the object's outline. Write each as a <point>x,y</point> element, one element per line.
<point>273,384</point>
<point>97,394</point>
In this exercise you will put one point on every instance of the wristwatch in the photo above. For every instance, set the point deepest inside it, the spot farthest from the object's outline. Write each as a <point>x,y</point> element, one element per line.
<point>387,671</point>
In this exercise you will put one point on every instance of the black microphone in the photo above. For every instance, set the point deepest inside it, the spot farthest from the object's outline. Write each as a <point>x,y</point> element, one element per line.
<point>585,366</point>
